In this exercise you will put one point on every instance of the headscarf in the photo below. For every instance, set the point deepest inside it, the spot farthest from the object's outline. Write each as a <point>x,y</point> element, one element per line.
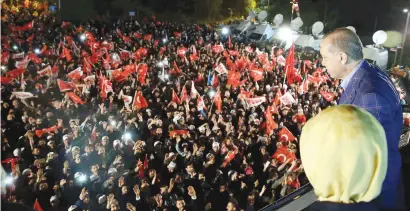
<point>344,154</point>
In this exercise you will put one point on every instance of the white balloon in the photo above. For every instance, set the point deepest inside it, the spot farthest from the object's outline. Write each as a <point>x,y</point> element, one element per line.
<point>379,37</point>
<point>317,28</point>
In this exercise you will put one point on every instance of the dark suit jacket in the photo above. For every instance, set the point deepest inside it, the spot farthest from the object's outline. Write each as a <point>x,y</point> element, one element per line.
<point>370,88</point>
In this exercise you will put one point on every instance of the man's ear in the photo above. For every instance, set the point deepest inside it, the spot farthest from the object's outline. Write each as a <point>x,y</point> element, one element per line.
<point>343,58</point>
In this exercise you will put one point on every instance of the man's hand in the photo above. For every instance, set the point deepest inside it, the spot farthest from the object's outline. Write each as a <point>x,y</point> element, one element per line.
<point>191,192</point>
<point>131,207</point>
<point>137,190</point>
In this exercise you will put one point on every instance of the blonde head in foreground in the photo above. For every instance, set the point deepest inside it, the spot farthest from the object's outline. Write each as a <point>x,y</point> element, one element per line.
<point>344,154</point>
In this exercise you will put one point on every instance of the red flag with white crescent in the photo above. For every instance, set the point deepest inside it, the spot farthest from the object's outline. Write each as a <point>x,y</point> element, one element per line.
<point>327,95</point>
<point>286,136</point>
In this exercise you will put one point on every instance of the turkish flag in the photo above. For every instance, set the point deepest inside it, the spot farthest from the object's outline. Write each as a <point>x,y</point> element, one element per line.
<point>148,37</point>
<point>67,54</point>
<point>285,135</point>
<point>175,70</point>
<point>139,101</point>
<point>142,73</point>
<point>27,26</point>
<point>217,49</point>
<point>278,95</point>
<point>106,87</point>
<point>175,98</point>
<point>304,87</point>
<point>256,74</point>
<point>40,133</point>
<point>15,73</point>
<point>89,36</point>
<point>241,63</point>
<point>290,65</point>
<point>299,118</point>
<point>137,35</point>
<point>181,51</point>
<point>75,74</point>
<point>245,94</point>
<point>75,98</point>
<point>184,94</point>
<point>33,57</point>
<point>327,95</point>
<point>65,86</point>
<point>270,123</point>
<point>218,101</point>
<point>282,155</point>
<point>37,206</point>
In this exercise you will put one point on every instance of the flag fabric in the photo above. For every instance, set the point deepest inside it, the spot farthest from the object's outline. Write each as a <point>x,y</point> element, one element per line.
<point>218,101</point>
<point>175,98</point>
<point>142,71</point>
<point>215,80</point>
<point>181,51</point>
<point>249,49</point>
<point>65,86</point>
<point>106,87</point>
<point>184,94</point>
<point>217,49</point>
<point>37,206</point>
<point>270,123</point>
<point>255,101</point>
<point>15,73</point>
<point>327,95</point>
<point>75,98</point>
<point>256,74</point>
<point>290,65</point>
<point>33,57</point>
<point>282,155</point>
<point>40,133</point>
<point>75,74</point>
<point>139,101</point>
<point>286,136</point>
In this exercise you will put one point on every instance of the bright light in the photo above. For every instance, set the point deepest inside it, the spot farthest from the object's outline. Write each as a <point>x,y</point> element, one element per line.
<point>406,10</point>
<point>285,33</point>
<point>211,93</point>
<point>225,31</point>
<point>127,136</point>
<point>160,64</point>
<point>3,67</point>
<point>113,123</point>
<point>82,37</point>
<point>9,180</point>
<point>164,40</point>
<point>166,76</point>
<point>82,178</point>
<point>15,47</point>
<point>37,51</point>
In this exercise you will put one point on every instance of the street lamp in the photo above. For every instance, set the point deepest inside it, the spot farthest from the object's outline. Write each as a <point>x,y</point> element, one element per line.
<point>405,33</point>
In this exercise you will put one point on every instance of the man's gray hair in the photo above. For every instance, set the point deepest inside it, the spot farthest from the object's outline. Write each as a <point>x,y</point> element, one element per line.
<point>345,40</point>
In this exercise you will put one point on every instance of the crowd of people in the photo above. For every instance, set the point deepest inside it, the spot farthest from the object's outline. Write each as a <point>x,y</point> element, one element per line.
<point>122,115</point>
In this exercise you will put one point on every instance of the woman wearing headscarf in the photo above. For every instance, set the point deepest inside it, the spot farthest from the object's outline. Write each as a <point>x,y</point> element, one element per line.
<point>344,154</point>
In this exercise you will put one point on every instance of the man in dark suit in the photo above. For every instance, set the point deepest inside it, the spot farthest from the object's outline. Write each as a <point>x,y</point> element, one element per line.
<point>368,87</point>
